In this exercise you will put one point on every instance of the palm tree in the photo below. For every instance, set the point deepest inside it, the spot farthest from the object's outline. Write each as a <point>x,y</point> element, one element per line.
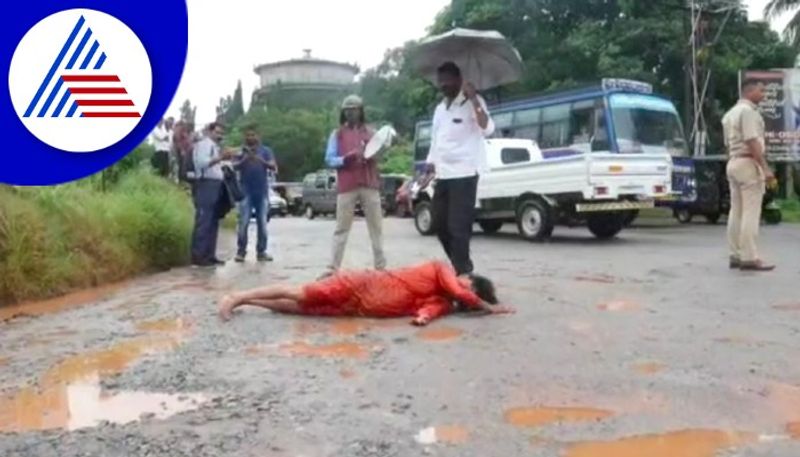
<point>777,8</point>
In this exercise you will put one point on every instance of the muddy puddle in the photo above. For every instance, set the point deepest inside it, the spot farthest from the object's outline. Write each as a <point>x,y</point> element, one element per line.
<point>539,416</point>
<point>444,434</point>
<point>63,303</point>
<point>346,350</point>
<point>347,327</point>
<point>69,396</point>
<point>440,334</point>
<point>84,404</point>
<point>686,443</point>
<point>178,325</point>
<point>649,368</point>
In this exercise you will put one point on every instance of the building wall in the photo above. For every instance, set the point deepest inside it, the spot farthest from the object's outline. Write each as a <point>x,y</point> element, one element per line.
<point>307,73</point>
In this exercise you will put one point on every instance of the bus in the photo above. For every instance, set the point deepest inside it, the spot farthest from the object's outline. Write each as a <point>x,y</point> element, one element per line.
<point>616,116</point>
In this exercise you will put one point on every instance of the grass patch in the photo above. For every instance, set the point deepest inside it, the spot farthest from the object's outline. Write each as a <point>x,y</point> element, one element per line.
<point>790,210</point>
<point>56,239</point>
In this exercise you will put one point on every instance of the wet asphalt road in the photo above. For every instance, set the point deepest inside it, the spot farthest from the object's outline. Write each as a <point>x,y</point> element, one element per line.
<point>644,346</point>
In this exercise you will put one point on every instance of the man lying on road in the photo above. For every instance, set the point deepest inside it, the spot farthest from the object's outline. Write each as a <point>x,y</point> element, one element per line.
<point>424,292</point>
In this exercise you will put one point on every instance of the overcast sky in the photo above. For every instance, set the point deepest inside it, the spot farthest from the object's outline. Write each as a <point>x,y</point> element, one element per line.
<point>228,38</point>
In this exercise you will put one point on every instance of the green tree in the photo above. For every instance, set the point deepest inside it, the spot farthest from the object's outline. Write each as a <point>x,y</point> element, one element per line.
<point>188,112</point>
<point>298,137</point>
<point>236,108</point>
<point>231,108</point>
<point>565,43</point>
<point>776,8</point>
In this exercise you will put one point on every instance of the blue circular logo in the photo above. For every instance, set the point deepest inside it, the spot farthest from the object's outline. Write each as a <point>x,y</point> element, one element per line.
<point>87,82</point>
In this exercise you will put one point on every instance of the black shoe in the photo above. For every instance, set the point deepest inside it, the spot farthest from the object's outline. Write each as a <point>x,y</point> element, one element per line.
<point>735,263</point>
<point>264,258</point>
<point>239,258</point>
<point>215,261</point>
<point>205,264</point>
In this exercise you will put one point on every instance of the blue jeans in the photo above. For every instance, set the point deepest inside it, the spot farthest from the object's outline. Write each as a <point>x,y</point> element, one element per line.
<point>247,206</point>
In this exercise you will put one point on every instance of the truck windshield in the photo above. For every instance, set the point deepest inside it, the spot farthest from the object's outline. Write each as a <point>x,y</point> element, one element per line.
<point>647,124</point>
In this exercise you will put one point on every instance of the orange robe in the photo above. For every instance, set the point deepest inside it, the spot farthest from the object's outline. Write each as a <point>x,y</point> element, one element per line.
<point>426,290</point>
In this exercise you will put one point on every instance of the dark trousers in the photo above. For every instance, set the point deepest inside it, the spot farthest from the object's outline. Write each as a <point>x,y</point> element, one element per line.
<point>453,217</point>
<point>253,203</point>
<point>160,162</point>
<point>207,193</point>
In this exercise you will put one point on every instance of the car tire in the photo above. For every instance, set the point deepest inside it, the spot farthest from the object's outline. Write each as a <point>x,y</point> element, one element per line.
<point>630,217</point>
<point>684,216</point>
<point>535,220</point>
<point>605,226</point>
<point>490,227</point>
<point>423,218</point>
<point>773,216</point>
<point>309,212</point>
<point>713,218</point>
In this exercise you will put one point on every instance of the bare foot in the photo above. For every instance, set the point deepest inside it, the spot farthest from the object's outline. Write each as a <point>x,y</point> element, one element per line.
<point>226,306</point>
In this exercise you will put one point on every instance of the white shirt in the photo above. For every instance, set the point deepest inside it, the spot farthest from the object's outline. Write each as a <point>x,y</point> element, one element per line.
<point>204,152</point>
<point>458,146</point>
<point>162,139</point>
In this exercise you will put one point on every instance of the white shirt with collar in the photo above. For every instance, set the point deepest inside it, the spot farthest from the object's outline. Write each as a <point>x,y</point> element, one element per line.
<point>162,138</point>
<point>458,143</point>
<point>205,151</point>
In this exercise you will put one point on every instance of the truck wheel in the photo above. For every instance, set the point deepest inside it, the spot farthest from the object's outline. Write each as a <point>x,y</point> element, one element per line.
<point>683,215</point>
<point>773,216</point>
<point>606,226</point>
<point>630,216</point>
<point>309,212</point>
<point>535,220</point>
<point>490,226</point>
<point>713,218</point>
<point>423,218</point>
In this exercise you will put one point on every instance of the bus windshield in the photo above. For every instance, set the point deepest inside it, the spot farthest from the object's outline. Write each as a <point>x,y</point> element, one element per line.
<point>647,124</point>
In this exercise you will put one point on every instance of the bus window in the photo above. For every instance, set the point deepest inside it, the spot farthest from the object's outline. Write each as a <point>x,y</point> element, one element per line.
<point>422,142</point>
<point>424,132</point>
<point>530,132</point>
<point>600,141</point>
<point>555,126</point>
<point>526,124</point>
<point>421,150</point>
<point>581,122</point>
<point>502,124</point>
<point>527,117</point>
<point>646,123</point>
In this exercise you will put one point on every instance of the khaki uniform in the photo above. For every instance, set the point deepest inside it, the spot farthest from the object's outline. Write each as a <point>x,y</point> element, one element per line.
<point>345,213</point>
<point>746,178</point>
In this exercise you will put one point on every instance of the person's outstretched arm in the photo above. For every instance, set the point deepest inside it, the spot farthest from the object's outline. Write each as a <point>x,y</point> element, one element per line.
<point>431,309</point>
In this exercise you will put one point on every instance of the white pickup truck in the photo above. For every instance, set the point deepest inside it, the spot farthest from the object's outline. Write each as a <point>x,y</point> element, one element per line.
<point>602,190</point>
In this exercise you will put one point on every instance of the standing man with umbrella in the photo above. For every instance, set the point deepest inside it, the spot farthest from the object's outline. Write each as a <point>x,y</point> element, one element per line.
<point>461,62</point>
<point>461,122</point>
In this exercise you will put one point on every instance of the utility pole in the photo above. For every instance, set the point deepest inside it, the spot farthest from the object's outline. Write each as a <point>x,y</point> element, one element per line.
<point>701,44</point>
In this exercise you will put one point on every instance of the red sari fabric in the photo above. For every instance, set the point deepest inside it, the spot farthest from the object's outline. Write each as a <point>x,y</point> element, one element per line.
<point>426,290</point>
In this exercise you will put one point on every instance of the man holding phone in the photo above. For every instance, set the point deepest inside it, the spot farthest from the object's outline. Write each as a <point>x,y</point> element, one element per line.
<point>254,165</point>
<point>457,156</point>
<point>208,156</point>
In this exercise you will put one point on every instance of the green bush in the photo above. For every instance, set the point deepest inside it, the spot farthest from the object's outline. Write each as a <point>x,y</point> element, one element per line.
<point>54,239</point>
<point>791,210</point>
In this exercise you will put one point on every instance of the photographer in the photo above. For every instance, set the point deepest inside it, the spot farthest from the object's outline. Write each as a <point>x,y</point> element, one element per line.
<point>255,163</point>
